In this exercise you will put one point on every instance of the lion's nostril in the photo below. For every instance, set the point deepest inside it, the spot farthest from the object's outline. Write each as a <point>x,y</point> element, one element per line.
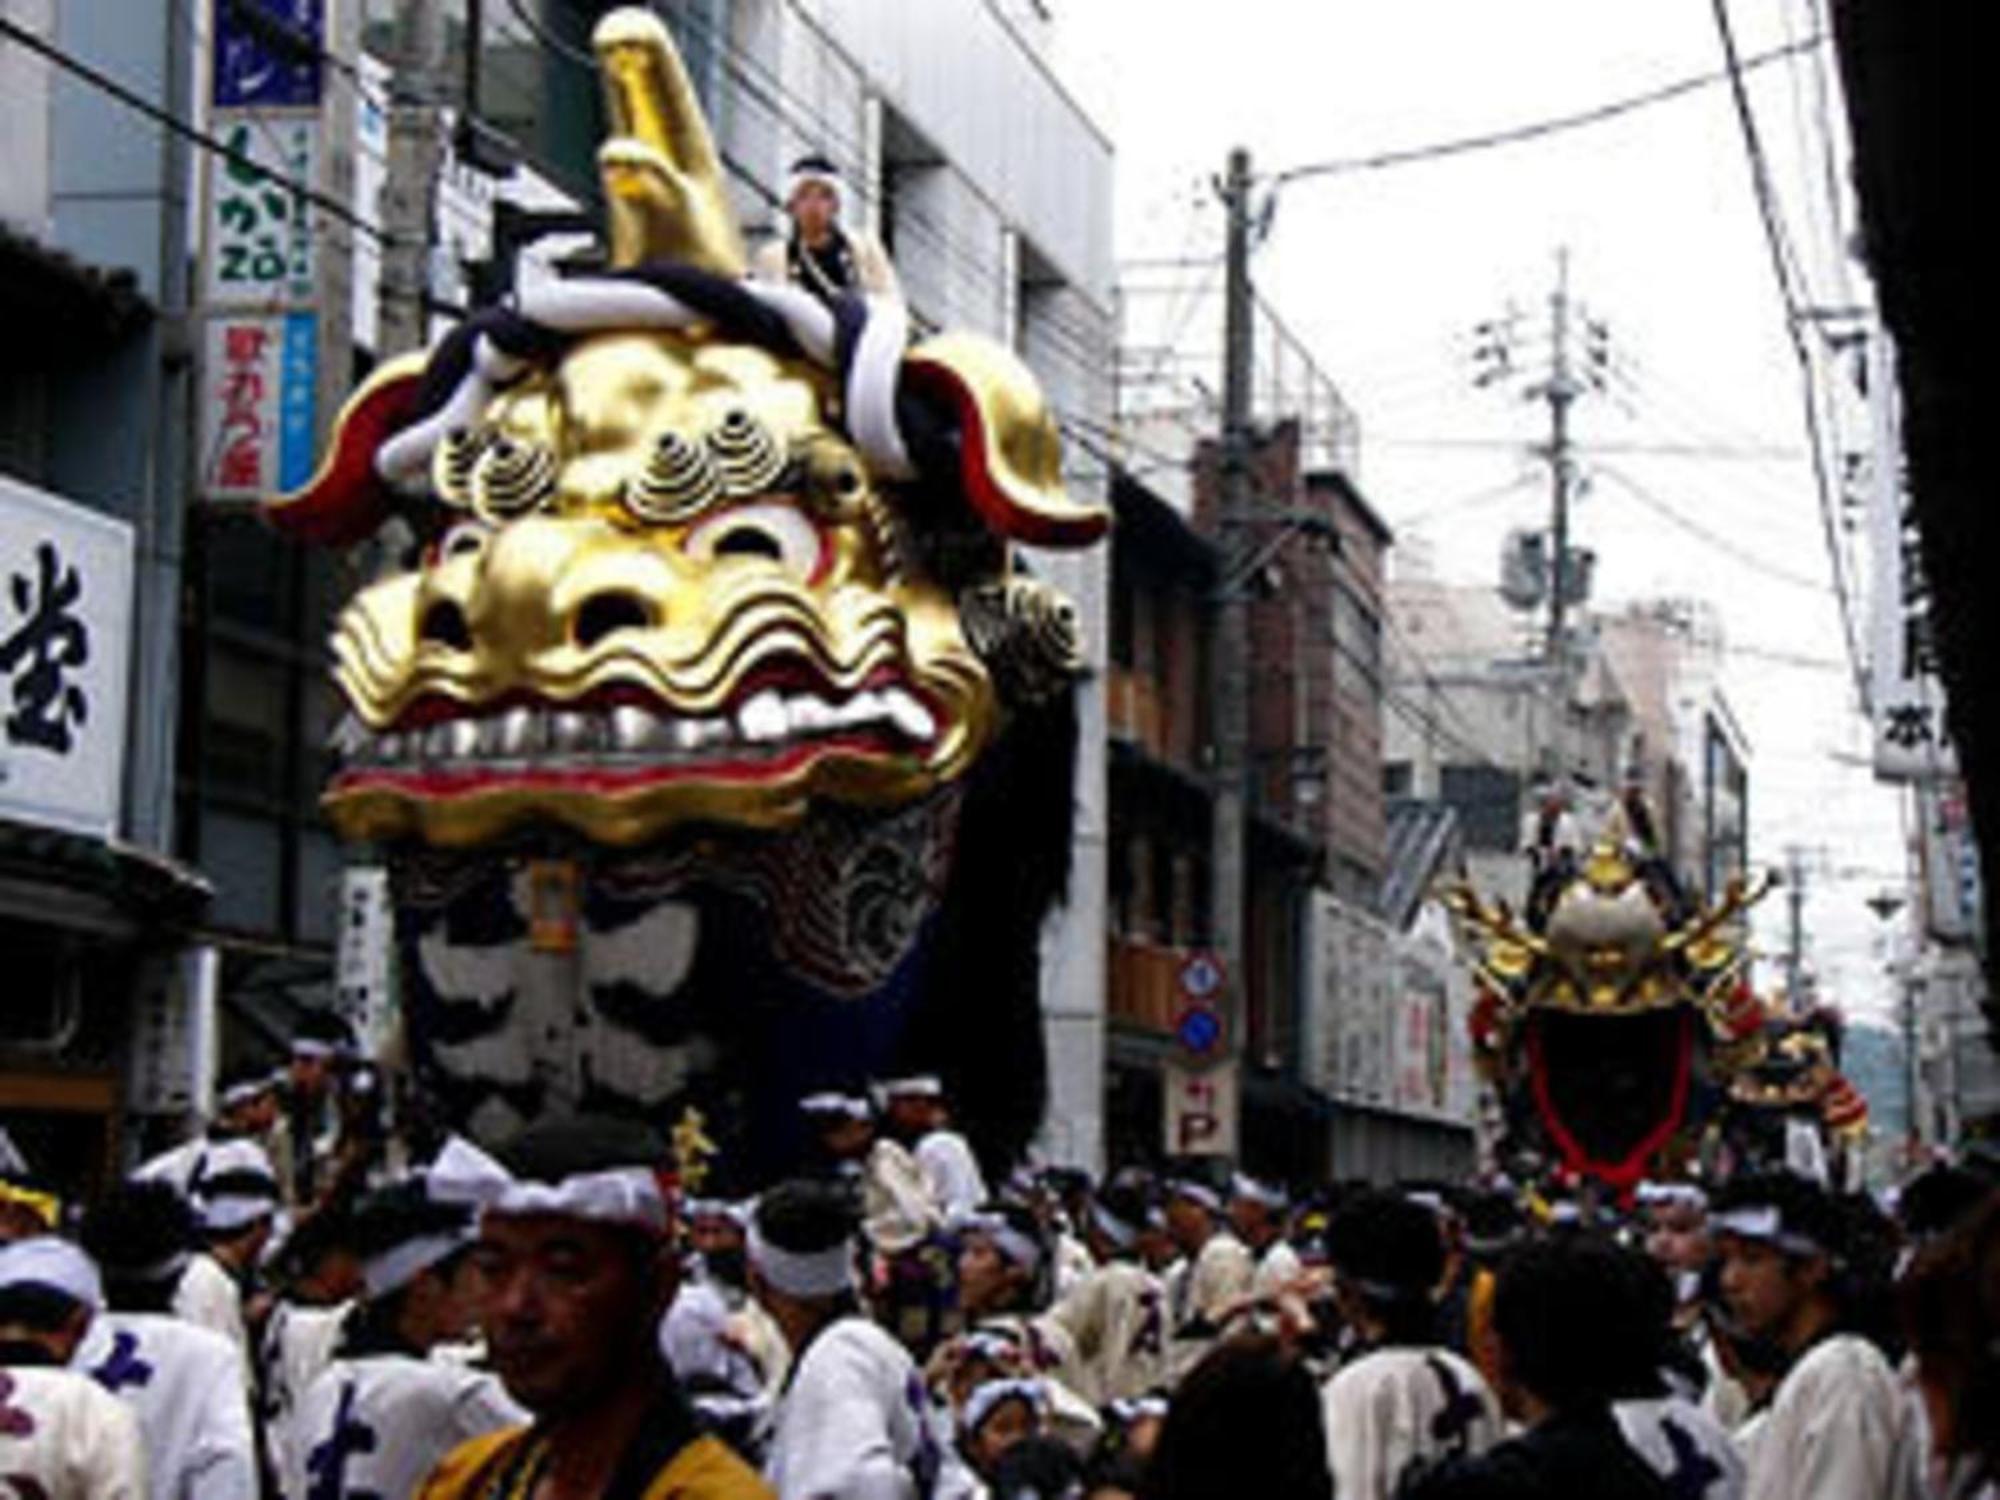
<point>602,614</point>
<point>444,623</point>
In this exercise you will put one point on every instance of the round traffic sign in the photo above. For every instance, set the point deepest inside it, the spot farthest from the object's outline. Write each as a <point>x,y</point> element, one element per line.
<point>1201,976</point>
<point>1198,1029</point>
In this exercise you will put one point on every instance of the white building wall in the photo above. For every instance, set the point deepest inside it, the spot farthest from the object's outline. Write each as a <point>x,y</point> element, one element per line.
<point>24,124</point>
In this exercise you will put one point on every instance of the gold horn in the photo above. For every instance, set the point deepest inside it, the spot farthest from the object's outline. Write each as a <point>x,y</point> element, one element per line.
<point>662,179</point>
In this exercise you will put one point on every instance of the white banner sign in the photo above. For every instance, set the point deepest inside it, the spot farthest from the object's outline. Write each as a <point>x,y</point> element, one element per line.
<point>259,249</point>
<point>362,969</point>
<point>1351,981</point>
<point>65,631</point>
<point>1906,697</point>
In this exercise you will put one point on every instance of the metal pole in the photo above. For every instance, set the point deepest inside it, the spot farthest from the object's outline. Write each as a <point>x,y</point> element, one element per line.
<point>1230,662</point>
<point>1561,391</point>
<point>1795,946</point>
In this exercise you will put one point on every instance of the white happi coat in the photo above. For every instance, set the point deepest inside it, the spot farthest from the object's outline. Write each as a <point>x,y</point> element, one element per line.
<point>1203,1290</point>
<point>855,1423</point>
<point>1682,1443</point>
<point>377,1424</point>
<point>1116,1318</point>
<point>1394,1408</point>
<point>209,1297</point>
<point>1277,1268</point>
<point>185,1385</point>
<point>952,1172</point>
<point>297,1343</point>
<point>1837,1429</point>
<point>729,1360</point>
<point>896,1201</point>
<point>69,1438</point>
<point>1073,1262</point>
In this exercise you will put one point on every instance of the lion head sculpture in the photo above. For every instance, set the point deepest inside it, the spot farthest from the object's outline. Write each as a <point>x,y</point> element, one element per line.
<point>1608,1018</point>
<point>716,738</point>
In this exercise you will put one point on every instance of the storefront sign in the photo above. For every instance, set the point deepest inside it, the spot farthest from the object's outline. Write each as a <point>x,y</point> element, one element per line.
<point>258,377</point>
<point>65,628</point>
<point>1906,697</point>
<point>267,53</point>
<point>1201,1110</point>
<point>1351,980</point>
<point>259,249</point>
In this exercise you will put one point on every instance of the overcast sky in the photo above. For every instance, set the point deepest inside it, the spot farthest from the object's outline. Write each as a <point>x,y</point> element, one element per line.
<point>1386,272</point>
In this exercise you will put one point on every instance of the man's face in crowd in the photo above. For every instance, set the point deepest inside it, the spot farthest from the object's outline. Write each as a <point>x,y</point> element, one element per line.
<point>1764,1287</point>
<point>910,1114</point>
<point>1011,1422</point>
<point>567,1306</point>
<point>709,1234</point>
<point>1250,1219</point>
<point>1677,1236</point>
<point>1187,1222</point>
<point>847,1138</point>
<point>984,1275</point>
<point>814,208</point>
<point>309,1075</point>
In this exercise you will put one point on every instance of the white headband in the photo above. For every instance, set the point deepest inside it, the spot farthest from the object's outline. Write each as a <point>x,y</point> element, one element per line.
<point>227,1211</point>
<point>917,1085</point>
<point>800,176</point>
<point>1196,1192</point>
<point>1130,1409</point>
<point>803,1273</point>
<point>244,1092</point>
<point>995,1345</point>
<point>465,1174</point>
<point>1019,1248</point>
<point>399,1266</point>
<point>45,1260</point>
<point>1763,1222</point>
<point>1679,1193</point>
<point>1112,1227</point>
<point>989,1394</point>
<point>1258,1192</point>
<point>309,1047</point>
<point>853,1106</point>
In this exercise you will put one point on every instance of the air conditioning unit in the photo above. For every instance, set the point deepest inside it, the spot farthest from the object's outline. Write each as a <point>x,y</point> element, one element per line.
<point>1524,569</point>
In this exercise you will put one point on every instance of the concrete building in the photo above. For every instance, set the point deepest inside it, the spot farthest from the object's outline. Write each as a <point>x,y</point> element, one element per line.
<point>94,385</point>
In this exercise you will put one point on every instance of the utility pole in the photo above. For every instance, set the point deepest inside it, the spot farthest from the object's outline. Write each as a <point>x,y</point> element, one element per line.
<point>1567,379</point>
<point>418,91</point>
<point>1231,661</point>
<point>1795,946</point>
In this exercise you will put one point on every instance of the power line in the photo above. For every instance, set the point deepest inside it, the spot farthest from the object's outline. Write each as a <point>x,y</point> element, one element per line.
<point>14,31</point>
<point>1538,129</point>
<point>1700,532</point>
<point>1782,268</point>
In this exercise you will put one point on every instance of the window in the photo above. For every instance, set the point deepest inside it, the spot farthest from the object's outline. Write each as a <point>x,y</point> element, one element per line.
<point>1396,778</point>
<point>1488,801</point>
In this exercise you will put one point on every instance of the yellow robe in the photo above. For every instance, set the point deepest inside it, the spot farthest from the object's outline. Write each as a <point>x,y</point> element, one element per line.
<point>704,1469</point>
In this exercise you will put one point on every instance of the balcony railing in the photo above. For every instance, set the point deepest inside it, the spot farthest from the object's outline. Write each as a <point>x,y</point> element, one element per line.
<point>1144,980</point>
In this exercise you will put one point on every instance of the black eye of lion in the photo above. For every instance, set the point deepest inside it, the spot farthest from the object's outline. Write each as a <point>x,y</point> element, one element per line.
<point>749,541</point>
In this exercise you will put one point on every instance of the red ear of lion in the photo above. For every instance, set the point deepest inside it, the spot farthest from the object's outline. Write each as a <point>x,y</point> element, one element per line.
<point>346,500</point>
<point>1011,452</point>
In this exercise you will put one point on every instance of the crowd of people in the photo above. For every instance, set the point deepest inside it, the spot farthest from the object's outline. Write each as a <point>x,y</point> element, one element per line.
<point>291,1304</point>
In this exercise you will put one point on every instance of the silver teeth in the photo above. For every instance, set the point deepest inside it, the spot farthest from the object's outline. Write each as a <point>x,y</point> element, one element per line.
<point>762,719</point>
<point>632,728</point>
<point>523,734</point>
<point>518,732</point>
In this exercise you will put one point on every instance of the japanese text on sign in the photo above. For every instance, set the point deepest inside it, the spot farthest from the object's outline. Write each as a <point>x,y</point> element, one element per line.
<point>1907,698</point>
<point>65,614</point>
<point>260,234</point>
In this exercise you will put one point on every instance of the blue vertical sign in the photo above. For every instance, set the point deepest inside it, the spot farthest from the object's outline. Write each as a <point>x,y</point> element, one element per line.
<point>268,53</point>
<point>298,381</point>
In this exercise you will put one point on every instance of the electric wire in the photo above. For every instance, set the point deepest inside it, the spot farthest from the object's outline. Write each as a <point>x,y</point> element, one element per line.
<point>1536,130</point>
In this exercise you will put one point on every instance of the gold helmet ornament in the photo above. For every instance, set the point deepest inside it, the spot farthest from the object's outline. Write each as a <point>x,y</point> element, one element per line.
<point>1607,1014</point>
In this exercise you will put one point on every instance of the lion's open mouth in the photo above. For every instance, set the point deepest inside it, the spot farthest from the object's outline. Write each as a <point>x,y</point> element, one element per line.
<point>624,734</point>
